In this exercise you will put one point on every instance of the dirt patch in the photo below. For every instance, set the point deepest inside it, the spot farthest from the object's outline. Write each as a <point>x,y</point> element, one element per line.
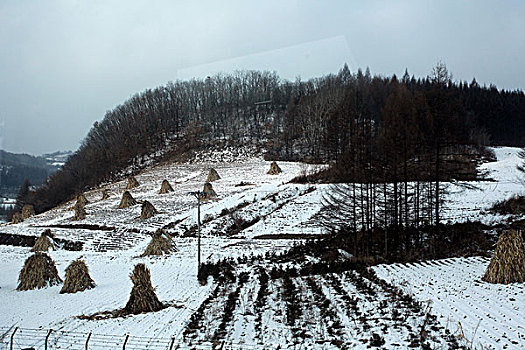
<point>290,236</point>
<point>92,227</point>
<point>29,241</point>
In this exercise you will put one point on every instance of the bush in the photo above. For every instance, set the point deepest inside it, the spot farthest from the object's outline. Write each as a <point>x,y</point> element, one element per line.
<point>514,205</point>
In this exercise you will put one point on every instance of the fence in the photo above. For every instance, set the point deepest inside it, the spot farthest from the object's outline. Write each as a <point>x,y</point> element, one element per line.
<point>25,338</point>
<point>15,338</point>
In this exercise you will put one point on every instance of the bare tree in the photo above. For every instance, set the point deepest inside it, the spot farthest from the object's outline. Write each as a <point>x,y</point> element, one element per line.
<point>521,167</point>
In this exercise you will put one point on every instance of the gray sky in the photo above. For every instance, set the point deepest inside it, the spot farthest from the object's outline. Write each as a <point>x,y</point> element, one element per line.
<point>63,64</point>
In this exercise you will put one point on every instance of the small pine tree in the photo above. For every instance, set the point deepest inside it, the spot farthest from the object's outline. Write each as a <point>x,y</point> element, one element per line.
<point>21,198</point>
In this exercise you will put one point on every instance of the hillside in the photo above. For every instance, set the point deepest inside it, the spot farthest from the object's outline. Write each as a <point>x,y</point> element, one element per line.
<point>271,299</point>
<point>349,117</point>
<point>15,168</point>
<point>57,159</point>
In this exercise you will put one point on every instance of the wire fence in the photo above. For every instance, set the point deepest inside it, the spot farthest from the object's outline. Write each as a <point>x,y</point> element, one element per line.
<point>16,338</point>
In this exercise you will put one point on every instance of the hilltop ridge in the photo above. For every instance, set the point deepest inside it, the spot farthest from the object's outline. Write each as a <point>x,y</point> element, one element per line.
<point>350,117</point>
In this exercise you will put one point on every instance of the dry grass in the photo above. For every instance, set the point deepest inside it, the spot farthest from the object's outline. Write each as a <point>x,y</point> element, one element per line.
<point>274,169</point>
<point>132,183</point>
<point>127,200</point>
<point>142,297</point>
<point>508,263</point>
<point>160,244</point>
<point>82,199</point>
<point>39,271</point>
<point>17,218</point>
<point>213,175</point>
<point>44,242</point>
<point>209,193</point>
<point>80,211</point>
<point>77,278</point>
<point>27,211</point>
<point>148,210</point>
<point>165,187</point>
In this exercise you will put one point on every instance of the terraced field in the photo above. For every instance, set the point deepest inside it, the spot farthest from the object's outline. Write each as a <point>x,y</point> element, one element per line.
<point>325,311</point>
<point>268,303</point>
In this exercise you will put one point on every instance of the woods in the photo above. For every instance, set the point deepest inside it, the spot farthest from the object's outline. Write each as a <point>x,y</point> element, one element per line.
<point>378,128</point>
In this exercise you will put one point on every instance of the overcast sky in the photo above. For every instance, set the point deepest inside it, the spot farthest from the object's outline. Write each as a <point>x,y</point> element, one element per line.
<point>63,64</point>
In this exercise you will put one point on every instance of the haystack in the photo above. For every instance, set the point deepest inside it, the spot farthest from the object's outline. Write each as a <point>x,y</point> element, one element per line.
<point>17,218</point>
<point>127,200</point>
<point>39,271</point>
<point>82,199</point>
<point>165,187</point>
<point>142,297</point>
<point>80,211</point>
<point>44,242</point>
<point>27,211</point>
<point>148,210</point>
<point>213,175</point>
<point>508,263</point>
<point>160,244</point>
<point>208,192</point>
<point>77,278</point>
<point>132,183</point>
<point>274,169</point>
<point>105,194</point>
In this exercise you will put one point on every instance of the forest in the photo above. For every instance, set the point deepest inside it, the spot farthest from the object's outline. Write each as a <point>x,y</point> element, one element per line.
<point>16,168</point>
<point>371,129</point>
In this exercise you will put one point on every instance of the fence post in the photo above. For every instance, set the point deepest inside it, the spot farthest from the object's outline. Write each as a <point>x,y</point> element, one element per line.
<point>87,340</point>
<point>172,342</point>
<point>12,338</point>
<point>47,338</point>
<point>125,341</point>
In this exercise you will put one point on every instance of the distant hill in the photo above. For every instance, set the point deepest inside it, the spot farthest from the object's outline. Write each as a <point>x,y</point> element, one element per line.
<point>370,125</point>
<point>15,168</point>
<point>56,159</point>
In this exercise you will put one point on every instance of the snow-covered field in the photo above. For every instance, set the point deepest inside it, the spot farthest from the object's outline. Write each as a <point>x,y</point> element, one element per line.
<point>470,200</point>
<point>279,204</point>
<point>484,314</point>
<point>360,310</point>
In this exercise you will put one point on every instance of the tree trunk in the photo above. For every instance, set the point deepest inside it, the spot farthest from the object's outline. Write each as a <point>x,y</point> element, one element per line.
<point>437,189</point>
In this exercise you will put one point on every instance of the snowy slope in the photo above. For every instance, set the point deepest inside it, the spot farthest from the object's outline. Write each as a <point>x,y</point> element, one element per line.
<point>112,250</point>
<point>264,205</point>
<point>471,200</point>
<point>179,207</point>
<point>488,315</point>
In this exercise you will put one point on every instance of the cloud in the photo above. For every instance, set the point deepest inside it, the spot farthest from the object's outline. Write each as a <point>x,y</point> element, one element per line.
<point>64,63</point>
<point>315,58</point>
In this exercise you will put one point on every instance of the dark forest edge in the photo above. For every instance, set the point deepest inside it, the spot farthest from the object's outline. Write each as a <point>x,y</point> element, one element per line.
<point>344,250</point>
<point>16,168</point>
<point>377,126</point>
<point>19,240</point>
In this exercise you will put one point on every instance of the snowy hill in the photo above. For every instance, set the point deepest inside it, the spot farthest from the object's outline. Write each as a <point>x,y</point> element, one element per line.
<point>16,168</point>
<point>57,159</point>
<point>354,309</point>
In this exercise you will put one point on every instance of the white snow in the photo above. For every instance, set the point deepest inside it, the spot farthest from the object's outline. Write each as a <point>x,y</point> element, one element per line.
<point>269,205</point>
<point>471,200</point>
<point>487,315</point>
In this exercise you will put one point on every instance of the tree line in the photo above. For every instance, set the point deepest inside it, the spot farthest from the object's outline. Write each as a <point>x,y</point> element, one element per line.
<point>15,168</point>
<point>376,123</point>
